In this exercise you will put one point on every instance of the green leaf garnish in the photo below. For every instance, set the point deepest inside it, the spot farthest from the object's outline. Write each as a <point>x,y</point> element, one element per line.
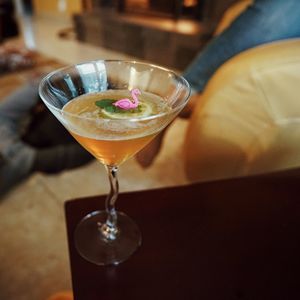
<point>105,103</point>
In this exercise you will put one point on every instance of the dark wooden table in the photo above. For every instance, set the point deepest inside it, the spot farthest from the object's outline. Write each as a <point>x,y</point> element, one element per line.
<point>231,239</point>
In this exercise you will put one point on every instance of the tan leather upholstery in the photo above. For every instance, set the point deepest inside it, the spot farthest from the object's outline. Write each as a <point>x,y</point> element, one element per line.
<point>248,120</point>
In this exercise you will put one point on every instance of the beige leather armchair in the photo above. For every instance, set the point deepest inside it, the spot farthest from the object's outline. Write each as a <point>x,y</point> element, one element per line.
<point>248,121</point>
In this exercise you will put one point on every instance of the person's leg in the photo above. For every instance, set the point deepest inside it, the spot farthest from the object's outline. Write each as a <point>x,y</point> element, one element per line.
<point>262,22</point>
<point>16,165</point>
<point>17,157</point>
<point>62,157</point>
<point>46,131</point>
<point>20,160</point>
<point>18,104</point>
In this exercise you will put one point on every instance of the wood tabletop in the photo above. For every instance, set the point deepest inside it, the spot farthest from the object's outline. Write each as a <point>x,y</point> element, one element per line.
<point>230,239</point>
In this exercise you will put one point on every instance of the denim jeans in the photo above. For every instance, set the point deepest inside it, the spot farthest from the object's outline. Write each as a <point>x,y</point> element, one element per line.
<point>262,22</point>
<point>47,147</point>
<point>17,157</point>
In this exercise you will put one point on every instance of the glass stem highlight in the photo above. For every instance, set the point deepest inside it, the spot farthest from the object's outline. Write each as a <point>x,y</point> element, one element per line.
<point>109,229</point>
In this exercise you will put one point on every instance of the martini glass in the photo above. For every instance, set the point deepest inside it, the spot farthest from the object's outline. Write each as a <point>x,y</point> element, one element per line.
<point>106,237</point>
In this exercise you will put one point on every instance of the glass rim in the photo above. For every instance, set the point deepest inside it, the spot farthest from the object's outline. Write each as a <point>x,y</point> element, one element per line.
<point>48,76</point>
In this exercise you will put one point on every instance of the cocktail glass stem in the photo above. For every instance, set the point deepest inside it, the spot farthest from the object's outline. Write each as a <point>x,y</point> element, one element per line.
<point>109,229</point>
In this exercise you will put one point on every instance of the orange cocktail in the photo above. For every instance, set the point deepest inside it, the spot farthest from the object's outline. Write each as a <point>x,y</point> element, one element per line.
<point>113,152</point>
<point>105,133</point>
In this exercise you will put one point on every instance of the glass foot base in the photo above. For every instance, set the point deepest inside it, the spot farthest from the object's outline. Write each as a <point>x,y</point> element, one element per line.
<point>94,247</point>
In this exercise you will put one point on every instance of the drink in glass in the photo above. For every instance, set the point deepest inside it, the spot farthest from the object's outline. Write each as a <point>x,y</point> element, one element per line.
<point>113,109</point>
